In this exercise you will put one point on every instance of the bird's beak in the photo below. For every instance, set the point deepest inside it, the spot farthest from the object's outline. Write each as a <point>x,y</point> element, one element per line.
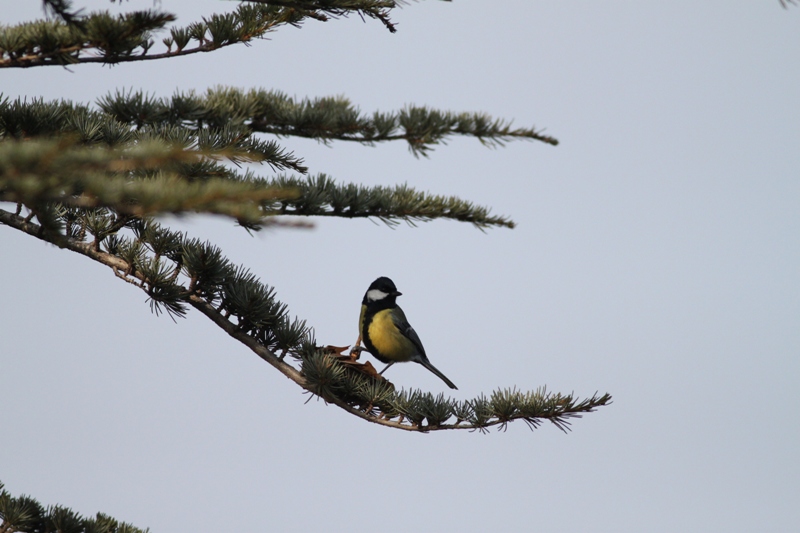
<point>397,293</point>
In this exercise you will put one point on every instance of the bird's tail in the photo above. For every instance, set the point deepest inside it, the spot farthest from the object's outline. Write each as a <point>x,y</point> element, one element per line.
<point>427,364</point>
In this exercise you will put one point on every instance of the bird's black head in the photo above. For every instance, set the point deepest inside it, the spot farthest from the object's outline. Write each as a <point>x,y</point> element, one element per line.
<point>381,290</point>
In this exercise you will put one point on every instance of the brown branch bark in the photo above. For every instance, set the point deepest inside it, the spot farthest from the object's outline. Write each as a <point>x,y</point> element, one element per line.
<point>40,60</point>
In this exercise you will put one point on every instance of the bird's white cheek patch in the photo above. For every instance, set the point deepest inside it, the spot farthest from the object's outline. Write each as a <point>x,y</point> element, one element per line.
<point>375,294</point>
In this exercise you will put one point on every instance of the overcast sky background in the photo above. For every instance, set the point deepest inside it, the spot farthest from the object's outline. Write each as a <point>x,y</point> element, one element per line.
<point>657,258</point>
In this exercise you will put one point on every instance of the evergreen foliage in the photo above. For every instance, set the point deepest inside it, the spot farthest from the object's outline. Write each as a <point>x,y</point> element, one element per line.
<point>323,119</point>
<point>25,514</point>
<point>91,179</point>
<point>100,37</point>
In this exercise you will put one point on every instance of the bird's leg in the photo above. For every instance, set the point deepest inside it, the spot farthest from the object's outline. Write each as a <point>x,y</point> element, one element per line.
<point>356,351</point>
<point>385,369</point>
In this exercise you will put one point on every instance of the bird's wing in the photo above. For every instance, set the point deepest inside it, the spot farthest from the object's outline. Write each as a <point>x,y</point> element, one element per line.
<point>405,328</point>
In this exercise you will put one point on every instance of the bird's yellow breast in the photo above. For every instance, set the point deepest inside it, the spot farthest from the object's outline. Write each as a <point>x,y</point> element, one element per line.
<point>387,339</point>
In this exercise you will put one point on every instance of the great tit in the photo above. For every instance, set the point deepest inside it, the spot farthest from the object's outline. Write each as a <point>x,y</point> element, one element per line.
<point>386,332</point>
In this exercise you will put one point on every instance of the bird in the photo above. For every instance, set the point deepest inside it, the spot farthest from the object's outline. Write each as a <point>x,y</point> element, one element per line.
<point>386,332</point>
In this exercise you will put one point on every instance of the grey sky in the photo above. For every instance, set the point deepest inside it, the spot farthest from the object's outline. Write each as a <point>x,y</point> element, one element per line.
<point>656,258</point>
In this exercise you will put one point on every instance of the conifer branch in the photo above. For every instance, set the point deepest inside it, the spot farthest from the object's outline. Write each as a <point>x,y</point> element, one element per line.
<point>247,310</point>
<point>324,119</point>
<point>100,37</point>
<point>149,179</point>
<point>25,514</point>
